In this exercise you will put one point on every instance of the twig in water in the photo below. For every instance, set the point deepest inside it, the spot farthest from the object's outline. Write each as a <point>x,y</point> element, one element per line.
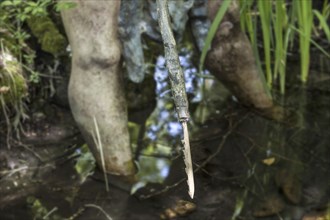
<point>220,146</point>
<point>98,143</point>
<point>50,212</point>
<point>99,208</point>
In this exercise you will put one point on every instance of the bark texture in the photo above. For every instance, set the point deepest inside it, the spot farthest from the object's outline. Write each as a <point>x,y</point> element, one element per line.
<point>96,87</point>
<point>232,61</point>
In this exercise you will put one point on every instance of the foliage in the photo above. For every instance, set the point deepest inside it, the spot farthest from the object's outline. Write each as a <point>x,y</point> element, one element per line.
<point>85,163</point>
<point>13,89</point>
<point>305,24</point>
<point>323,22</point>
<point>280,21</point>
<point>281,42</point>
<point>11,78</point>
<point>40,211</point>
<point>16,55</point>
<point>60,6</point>
<point>13,16</point>
<point>19,71</point>
<point>51,40</point>
<point>265,12</point>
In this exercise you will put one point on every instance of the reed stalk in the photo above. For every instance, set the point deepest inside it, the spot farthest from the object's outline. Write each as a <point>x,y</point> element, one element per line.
<point>323,22</point>
<point>305,25</point>
<point>210,35</point>
<point>248,21</point>
<point>281,35</point>
<point>265,11</point>
<point>281,25</point>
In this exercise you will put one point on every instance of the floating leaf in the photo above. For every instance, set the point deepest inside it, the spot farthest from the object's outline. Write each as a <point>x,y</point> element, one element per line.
<point>85,164</point>
<point>269,161</point>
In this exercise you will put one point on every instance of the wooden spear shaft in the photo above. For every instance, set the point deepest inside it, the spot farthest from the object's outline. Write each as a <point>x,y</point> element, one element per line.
<point>177,85</point>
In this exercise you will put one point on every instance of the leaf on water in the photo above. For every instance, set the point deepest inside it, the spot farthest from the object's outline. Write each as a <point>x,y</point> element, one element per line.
<point>180,208</point>
<point>270,205</point>
<point>290,185</point>
<point>239,205</point>
<point>269,161</point>
<point>85,164</point>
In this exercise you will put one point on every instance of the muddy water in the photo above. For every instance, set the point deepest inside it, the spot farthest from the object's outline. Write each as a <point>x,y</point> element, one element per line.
<point>246,166</point>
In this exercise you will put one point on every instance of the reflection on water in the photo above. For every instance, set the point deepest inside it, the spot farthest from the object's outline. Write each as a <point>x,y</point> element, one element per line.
<point>282,168</point>
<point>163,129</point>
<point>246,166</point>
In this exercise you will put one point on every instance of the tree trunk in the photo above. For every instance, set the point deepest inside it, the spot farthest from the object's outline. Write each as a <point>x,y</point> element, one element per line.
<point>96,86</point>
<point>232,61</point>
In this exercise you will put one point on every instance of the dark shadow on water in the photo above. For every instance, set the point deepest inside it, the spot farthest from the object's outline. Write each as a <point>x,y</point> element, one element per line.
<point>246,166</point>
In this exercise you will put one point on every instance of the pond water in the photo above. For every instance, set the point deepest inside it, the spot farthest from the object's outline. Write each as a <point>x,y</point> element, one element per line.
<point>246,166</point>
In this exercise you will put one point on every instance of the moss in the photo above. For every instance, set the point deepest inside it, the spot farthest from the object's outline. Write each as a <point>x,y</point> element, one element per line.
<point>129,167</point>
<point>51,40</point>
<point>11,78</point>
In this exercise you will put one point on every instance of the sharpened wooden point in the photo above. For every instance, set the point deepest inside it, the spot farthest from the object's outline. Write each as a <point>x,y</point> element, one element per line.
<point>187,160</point>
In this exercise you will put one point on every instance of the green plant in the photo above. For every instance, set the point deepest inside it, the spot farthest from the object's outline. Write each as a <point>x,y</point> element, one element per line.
<point>282,33</point>
<point>17,57</point>
<point>323,20</point>
<point>305,25</point>
<point>210,35</point>
<point>59,6</point>
<point>281,23</point>
<point>249,24</point>
<point>265,9</point>
<point>13,15</point>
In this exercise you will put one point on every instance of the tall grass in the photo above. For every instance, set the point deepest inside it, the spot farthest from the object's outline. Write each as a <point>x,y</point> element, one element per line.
<point>210,35</point>
<point>305,25</point>
<point>246,18</point>
<point>249,25</point>
<point>282,33</point>
<point>323,18</point>
<point>265,11</point>
<point>281,23</point>
<point>213,29</point>
<point>323,23</point>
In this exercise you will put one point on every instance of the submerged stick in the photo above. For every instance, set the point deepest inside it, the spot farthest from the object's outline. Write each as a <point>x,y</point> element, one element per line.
<point>177,85</point>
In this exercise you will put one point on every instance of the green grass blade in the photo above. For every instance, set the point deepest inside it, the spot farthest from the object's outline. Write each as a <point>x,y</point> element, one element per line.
<point>326,9</point>
<point>305,24</point>
<point>278,31</point>
<point>282,67</point>
<point>320,48</point>
<point>323,23</point>
<point>312,41</point>
<point>265,12</point>
<point>248,19</point>
<point>210,35</point>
